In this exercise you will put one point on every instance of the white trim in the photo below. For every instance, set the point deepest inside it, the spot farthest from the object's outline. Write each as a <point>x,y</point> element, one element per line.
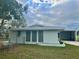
<point>30,43</point>
<point>37,36</point>
<point>52,44</point>
<point>30,36</point>
<point>47,44</point>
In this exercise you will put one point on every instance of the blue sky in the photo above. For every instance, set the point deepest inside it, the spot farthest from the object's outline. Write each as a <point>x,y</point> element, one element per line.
<point>65,13</point>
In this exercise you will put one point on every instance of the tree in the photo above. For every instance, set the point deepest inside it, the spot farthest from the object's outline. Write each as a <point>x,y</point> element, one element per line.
<point>8,8</point>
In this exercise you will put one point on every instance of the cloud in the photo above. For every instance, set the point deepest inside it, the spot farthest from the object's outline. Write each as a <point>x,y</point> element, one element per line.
<point>63,13</point>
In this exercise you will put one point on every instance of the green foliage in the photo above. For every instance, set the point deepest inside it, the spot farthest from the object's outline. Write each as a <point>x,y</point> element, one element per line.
<point>77,37</point>
<point>10,6</point>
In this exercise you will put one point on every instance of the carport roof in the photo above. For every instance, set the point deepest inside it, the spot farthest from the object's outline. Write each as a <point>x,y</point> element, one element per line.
<point>69,30</point>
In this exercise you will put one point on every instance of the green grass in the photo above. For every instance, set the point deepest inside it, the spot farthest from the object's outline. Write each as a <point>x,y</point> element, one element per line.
<point>41,52</point>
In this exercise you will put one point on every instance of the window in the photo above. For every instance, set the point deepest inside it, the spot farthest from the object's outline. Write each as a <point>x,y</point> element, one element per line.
<point>40,36</point>
<point>27,35</point>
<point>18,33</point>
<point>34,36</point>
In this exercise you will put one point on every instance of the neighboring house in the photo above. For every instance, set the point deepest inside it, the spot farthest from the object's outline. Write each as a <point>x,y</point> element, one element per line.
<point>37,34</point>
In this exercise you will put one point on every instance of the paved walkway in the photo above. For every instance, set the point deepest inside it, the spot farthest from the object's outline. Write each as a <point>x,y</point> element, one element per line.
<point>72,43</point>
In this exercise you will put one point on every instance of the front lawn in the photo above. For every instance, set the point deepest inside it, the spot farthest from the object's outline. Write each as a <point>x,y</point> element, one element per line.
<point>41,52</point>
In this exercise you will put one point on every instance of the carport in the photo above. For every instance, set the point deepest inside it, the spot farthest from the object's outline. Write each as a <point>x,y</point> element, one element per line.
<point>67,35</point>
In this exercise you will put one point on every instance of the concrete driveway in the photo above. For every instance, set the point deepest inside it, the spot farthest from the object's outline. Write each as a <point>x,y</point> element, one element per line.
<point>75,43</point>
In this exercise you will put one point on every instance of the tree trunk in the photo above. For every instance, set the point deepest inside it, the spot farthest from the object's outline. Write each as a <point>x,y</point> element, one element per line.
<point>2,23</point>
<point>3,18</point>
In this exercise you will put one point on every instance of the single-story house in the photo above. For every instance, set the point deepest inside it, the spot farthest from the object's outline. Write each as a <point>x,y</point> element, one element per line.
<point>37,34</point>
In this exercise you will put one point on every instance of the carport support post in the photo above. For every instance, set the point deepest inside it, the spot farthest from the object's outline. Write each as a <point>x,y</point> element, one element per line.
<point>59,39</point>
<point>76,35</point>
<point>31,36</point>
<point>37,36</point>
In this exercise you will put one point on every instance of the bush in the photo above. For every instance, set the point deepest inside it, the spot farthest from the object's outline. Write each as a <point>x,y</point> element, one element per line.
<point>3,45</point>
<point>78,38</point>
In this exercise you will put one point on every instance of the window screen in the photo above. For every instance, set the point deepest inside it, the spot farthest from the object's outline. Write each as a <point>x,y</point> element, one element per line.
<point>27,35</point>
<point>34,36</point>
<point>40,36</point>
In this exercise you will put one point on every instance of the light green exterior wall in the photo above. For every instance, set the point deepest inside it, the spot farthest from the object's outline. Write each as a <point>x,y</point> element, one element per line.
<point>50,37</point>
<point>12,37</point>
<point>15,39</point>
<point>22,38</point>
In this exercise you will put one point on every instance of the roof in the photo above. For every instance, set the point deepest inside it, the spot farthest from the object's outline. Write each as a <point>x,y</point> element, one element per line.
<point>40,27</point>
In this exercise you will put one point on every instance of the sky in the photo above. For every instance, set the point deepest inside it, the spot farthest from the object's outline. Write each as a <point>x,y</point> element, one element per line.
<point>52,12</point>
